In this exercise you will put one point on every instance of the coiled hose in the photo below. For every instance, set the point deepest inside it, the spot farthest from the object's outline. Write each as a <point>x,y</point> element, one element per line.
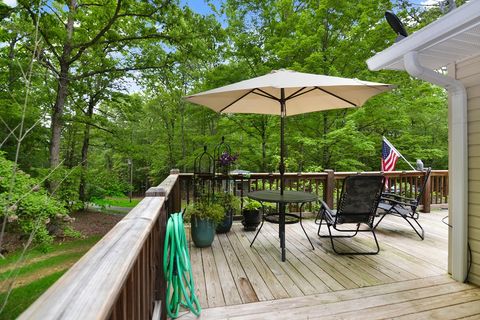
<point>177,269</point>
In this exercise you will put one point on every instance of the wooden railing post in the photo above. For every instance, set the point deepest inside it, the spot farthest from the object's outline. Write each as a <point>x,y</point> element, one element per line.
<point>329,187</point>
<point>176,196</point>
<point>427,194</point>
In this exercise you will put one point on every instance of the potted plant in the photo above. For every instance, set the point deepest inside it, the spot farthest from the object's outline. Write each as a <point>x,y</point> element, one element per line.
<point>225,160</point>
<point>203,216</point>
<point>251,214</point>
<point>230,204</point>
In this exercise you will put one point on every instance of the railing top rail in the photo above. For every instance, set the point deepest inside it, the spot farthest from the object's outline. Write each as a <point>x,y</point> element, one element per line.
<point>410,173</point>
<point>255,175</point>
<point>164,188</point>
<point>264,175</point>
<point>89,289</point>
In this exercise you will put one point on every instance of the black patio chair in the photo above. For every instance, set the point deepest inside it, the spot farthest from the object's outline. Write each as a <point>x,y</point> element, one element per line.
<point>358,205</point>
<point>403,207</point>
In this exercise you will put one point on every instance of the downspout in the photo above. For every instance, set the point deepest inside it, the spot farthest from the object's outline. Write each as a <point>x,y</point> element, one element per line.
<point>458,167</point>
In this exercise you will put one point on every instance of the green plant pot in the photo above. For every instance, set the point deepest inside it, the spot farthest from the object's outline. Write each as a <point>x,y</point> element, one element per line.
<point>251,219</point>
<point>203,232</point>
<point>226,223</point>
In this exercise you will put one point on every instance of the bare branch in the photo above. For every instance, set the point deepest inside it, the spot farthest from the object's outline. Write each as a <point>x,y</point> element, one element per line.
<point>55,13</point>
<point>31,128</point>
<point>8,136</point>
<point>93,125</point>
<point>84,46</point>
<point>44,60</point>
<point>148,36</point>
<point>112,70</point>
<point>44,35</point>
<point>12,132</point>
<point>90,5</point>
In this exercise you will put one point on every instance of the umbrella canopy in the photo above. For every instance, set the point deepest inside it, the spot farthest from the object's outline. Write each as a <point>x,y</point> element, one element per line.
<point>302,93</point>
<point>286,92</point>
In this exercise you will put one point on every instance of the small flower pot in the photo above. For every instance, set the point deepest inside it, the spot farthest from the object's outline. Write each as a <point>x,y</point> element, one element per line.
<point>251,219</point>
<point>226,224</point>
<point>203,232</point>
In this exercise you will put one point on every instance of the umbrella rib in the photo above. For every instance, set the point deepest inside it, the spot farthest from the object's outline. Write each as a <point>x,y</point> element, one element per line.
<point>338,97</point>
<point>234,101</point>
<point>265,94</point>
<point>298,93</point>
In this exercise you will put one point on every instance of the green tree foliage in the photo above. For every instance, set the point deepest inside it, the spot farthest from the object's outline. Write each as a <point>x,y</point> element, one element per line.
<point>126,66</point>
<point>331,38</point>
<point>28,206</point>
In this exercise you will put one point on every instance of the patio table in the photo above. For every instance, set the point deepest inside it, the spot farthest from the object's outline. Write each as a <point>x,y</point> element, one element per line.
<point>288,197</point>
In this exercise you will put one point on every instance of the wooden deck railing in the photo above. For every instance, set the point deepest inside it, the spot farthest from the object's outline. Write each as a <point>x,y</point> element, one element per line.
<point>121,277</point>
<point>328,185</point>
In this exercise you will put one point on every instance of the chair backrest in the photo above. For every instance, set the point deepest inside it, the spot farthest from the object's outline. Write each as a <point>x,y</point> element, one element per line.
<point>359,199</point>
<point>424,184</point>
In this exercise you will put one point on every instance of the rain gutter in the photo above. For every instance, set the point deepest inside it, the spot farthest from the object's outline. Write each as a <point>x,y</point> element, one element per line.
<point>458,166</point>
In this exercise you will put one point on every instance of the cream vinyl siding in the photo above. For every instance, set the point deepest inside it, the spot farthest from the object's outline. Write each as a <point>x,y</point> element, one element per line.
<point>468,72</point>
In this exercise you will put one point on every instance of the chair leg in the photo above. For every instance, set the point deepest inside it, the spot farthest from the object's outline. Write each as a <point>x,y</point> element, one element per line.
<point>318,216</point>
<point>420,234</point>
<point>331,239</point>
<point>332,236</point>
<point>319,224</point>
<point>256,234</point>
<point>383,216</point>
<point>301,224</point>
<point>355,252</point>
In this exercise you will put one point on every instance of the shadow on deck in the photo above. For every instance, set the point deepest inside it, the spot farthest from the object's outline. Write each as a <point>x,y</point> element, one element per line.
<point>406,278</point>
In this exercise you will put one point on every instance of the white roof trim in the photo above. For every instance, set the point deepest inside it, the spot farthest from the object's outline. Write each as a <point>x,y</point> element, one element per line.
<point>452,24</point>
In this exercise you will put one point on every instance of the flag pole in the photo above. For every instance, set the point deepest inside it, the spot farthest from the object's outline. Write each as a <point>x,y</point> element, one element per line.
<point>391,146</point>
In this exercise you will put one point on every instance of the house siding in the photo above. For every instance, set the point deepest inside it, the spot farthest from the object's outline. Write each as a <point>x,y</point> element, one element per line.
<point>468,72</point>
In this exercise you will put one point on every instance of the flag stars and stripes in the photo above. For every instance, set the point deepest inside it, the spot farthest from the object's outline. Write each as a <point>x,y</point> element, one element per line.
<point>389,157</point>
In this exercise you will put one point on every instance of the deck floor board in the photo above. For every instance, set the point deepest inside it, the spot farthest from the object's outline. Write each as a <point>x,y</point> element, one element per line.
<point>406,280</point>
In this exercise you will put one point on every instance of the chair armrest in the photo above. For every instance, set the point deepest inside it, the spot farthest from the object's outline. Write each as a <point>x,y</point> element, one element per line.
<point>398,201</point>
<point>327,210</point>
<point>396,197</point>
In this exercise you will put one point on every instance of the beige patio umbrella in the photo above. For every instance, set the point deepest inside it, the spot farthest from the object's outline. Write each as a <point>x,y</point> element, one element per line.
<point>287,93</point>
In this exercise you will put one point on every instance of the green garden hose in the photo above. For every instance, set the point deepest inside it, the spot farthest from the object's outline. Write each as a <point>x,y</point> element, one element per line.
<point>177,269</point>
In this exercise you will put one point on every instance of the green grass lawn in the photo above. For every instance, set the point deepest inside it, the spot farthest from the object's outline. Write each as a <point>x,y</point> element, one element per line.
<point>22,297</point>
<point>38,272</point>
<point>117,202</point>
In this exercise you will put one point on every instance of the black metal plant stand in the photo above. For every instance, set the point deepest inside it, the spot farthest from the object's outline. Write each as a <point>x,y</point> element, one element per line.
<point>222,162</point>
<point>203,176</point>
<point>222,169</point>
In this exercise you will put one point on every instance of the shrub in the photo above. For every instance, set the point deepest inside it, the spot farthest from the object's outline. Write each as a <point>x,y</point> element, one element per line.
<point>102,183</point>
<point>203,209</point>
<point>27,206</point>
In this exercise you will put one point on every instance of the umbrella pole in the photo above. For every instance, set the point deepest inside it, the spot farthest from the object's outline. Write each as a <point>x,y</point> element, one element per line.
<point>281,217</point>
<point>282,141</point>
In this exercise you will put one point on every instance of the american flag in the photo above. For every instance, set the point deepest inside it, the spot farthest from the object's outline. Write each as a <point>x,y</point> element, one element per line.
<point>389,156</point>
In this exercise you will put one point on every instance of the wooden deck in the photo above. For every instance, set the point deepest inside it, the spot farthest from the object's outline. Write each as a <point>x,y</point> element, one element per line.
<point>406,279</point>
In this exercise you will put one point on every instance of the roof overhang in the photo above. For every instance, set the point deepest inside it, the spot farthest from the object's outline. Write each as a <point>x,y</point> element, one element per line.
<point>452,38</point>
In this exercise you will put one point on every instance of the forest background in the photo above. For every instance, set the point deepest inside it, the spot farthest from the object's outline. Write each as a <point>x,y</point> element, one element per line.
<point>92,91</point>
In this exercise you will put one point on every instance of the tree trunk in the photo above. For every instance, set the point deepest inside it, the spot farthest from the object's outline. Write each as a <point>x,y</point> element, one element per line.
<point>325,149</point>
<point>62,92</point>
<point>71,146</point>
<point>57,117</point>
<point>82,191</point>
